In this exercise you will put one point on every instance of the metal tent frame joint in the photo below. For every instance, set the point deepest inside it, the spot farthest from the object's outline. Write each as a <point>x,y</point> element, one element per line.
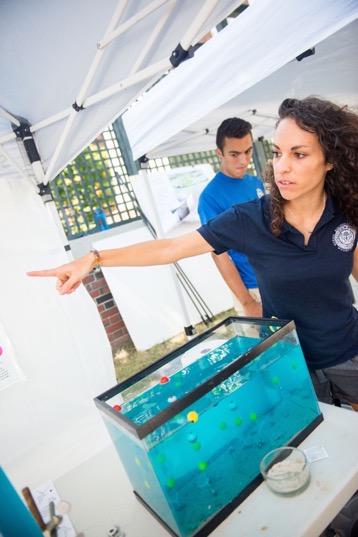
<point>180,54</point>
<point>45,192</point>
<point>23,133</point>
<point>77,107</point>
<point>143,161</point>
<point>306,54</point>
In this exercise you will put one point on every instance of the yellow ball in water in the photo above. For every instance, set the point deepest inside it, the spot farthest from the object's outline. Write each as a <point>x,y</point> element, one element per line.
<point>192,416</point>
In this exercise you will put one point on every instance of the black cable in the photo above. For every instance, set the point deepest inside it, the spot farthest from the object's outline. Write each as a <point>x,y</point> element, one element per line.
<point>208,313</point>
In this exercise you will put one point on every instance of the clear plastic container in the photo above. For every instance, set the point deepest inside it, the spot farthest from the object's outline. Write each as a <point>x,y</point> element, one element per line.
<point>286,471</point>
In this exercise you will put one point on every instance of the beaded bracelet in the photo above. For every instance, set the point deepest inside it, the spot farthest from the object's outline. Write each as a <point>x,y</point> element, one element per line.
<point>98,259</point>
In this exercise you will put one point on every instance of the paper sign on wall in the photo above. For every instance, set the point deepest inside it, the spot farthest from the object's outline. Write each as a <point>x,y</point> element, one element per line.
<point>175,193</point>
<point>10,371</point>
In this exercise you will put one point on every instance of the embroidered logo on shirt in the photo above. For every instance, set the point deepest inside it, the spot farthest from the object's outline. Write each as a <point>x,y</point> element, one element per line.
<point>259,193</point>
<point>344,237</point>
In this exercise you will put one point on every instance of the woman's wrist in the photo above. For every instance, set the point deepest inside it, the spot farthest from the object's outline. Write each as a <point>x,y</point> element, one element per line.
<point>96,259</point>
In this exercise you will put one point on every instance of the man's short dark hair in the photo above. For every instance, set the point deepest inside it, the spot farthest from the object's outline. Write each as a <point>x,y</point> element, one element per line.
<point>233,127</point>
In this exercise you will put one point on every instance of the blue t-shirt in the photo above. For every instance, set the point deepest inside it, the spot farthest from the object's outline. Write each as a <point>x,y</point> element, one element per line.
<point>307,284</point>
<point>221,194</point>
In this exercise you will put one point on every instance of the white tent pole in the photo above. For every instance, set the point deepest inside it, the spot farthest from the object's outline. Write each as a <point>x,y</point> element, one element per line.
<point>131,22</point>
<point>60,144</point>
<point>197,23</point>
<point>147,48</point>
<point>31,159</point>
<point>50,120</point>
<point>142,75</point>
<point>5,114</point>
<point>149,71</point>
<point>152,70</point>
<point>160,234</point>
<point>97,97</point>
<point>52,209</point>
<point>99,55</point>
<point>87,82</point>
<point>7,138</point>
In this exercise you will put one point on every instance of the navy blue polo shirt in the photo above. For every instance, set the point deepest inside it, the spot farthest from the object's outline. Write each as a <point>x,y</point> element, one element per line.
<point>309,284</point>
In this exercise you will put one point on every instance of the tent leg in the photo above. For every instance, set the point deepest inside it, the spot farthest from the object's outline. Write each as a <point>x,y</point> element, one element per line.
<point>22,130</point>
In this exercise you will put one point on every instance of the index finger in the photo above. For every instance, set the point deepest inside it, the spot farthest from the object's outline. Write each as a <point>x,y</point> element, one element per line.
<point>42,273</point>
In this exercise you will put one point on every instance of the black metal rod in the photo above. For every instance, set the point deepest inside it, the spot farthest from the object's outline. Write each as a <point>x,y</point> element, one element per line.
<point>204,305</point>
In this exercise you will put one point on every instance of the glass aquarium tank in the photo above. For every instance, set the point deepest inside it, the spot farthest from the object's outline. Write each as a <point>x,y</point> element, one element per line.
<point>192,428</point>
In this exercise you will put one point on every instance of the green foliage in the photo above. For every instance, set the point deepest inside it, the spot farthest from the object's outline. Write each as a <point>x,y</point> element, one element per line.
<point>86,185</point>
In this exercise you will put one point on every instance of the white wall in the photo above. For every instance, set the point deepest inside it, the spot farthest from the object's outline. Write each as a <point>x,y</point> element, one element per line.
<point>58,343</point>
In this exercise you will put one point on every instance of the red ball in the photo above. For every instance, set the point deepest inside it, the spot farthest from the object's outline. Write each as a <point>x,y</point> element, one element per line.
<point>163,380</point>
<point>117,407</point>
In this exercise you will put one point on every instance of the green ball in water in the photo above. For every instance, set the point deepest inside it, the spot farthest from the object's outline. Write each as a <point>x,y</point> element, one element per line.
<point>171,482</point>
<point>275,380</point>
<point>253,416</point>
<point>202,466</point>
<point>238,421</point>
<point>196,446</point>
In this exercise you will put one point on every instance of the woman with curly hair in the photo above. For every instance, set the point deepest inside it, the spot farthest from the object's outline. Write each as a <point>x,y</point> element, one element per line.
<point>301,240</point>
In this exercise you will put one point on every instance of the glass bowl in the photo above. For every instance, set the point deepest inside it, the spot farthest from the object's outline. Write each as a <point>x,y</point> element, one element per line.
<point>286,471</point>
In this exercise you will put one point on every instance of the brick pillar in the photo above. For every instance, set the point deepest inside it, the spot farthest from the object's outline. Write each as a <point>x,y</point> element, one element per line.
<point>113,323</point>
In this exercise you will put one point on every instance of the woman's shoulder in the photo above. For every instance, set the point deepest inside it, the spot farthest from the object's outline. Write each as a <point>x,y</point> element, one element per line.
<point>254,206</point>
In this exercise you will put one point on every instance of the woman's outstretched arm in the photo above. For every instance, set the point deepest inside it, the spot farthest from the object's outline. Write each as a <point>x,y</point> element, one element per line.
<point>155,252</point>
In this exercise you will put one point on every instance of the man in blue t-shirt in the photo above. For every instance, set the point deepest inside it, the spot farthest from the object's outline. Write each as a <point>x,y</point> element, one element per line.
<point>229,186</point>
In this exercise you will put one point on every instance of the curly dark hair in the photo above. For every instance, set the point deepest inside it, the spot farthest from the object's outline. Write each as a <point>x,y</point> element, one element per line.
<point>233,127</point>
<point>336,128</point>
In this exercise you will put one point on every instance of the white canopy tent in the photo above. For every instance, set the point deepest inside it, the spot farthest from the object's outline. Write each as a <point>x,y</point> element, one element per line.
<point>68,69</point>
<point>246,70</point>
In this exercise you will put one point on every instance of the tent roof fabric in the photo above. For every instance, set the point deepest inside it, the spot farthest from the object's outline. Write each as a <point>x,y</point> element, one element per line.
<point>100,55</point>
<point>250,64</point>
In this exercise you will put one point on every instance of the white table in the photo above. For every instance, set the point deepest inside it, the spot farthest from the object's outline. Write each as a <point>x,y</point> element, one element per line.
<point>101,496</point>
